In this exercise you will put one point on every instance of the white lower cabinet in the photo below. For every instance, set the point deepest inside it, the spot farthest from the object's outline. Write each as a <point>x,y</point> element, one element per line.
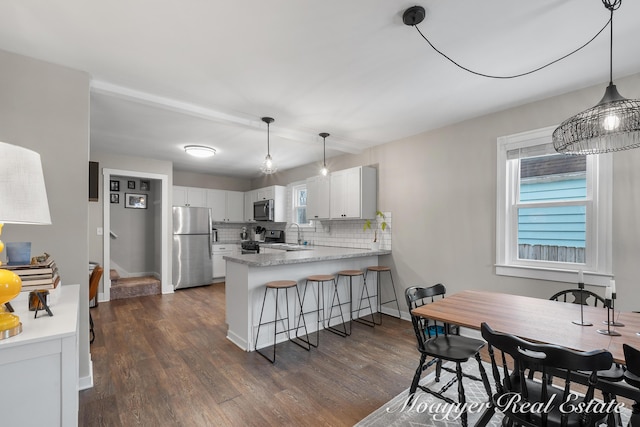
<point>219,264</point>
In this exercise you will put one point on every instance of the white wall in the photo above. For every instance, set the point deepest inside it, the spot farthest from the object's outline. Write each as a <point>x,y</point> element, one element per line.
<point>45,107</point>
<point>441,188</point>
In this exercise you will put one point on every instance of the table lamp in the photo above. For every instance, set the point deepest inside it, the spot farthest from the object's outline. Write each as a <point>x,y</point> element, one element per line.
<point>23,200</point>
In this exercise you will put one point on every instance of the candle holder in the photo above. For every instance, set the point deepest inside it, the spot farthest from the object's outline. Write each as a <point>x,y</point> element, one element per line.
<point>608,331</point>
<point>581,322</point>
<point>613,308</point>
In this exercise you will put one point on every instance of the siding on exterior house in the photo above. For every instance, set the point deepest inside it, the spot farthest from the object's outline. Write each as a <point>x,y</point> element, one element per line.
<point>553,226</point>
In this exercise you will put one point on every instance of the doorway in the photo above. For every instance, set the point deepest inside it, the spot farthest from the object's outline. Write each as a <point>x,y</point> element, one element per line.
<point>161,205</point>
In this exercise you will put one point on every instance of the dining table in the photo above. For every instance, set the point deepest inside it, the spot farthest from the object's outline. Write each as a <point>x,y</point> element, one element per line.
<point>536,319</point>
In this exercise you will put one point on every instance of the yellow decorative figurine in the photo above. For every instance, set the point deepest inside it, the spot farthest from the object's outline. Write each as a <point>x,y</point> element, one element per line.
<point>10,285</point>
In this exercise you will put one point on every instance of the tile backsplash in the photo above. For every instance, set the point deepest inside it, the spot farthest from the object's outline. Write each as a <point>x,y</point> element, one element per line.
<point>341,233</point>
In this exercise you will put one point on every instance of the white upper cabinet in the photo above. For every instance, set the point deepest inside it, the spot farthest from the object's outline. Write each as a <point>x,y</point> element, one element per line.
<point>189,196</point>
<point>267,193</point>
<point>353,193</point>
<point>235,206</point>
<point>226,205</point>
<point>249,198</point>
<point>318,197</point>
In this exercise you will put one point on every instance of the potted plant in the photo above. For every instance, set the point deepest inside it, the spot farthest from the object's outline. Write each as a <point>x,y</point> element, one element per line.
<point>375,245</point>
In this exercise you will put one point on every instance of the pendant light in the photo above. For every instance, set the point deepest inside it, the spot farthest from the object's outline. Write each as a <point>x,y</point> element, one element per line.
<point>267,166</point>
<point>612,125</point>
<point>324,171</point>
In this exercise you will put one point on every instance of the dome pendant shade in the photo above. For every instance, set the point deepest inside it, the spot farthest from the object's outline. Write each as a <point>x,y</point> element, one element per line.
<point>267,167</point>
<point>612,125</point>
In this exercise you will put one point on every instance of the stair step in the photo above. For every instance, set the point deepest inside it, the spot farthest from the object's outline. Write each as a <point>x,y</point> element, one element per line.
<point>129,287</point>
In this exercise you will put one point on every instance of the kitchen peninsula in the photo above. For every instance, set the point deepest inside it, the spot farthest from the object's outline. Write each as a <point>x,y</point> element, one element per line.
<point>247,275</point>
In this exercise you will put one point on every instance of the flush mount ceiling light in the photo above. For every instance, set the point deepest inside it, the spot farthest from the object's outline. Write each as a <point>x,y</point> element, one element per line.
<point>199,150</point>
<point>324,171</point>
<point>612,125</point>
<point>267,166</point>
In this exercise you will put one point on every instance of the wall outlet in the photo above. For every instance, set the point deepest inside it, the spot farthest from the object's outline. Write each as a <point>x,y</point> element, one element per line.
<point>100,231</point>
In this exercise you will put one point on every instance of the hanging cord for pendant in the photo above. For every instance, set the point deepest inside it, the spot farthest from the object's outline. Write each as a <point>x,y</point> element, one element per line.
<point>612,6</point>
<point>608,4</point>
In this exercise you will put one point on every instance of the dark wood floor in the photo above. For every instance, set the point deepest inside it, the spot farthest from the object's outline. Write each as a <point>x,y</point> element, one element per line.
<point>163,360</point>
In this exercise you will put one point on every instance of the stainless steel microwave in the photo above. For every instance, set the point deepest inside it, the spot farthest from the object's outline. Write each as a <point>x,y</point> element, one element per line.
<point>263,210</point>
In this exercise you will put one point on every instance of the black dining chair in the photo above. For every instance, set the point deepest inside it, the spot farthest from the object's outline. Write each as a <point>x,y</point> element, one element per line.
<point>439,342</point>
<point>632,377</point>
<point>532,400</point>
<point>579,296</point>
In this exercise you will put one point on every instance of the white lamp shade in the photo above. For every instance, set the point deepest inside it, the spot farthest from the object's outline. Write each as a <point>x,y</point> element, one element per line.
<point>23,195</point>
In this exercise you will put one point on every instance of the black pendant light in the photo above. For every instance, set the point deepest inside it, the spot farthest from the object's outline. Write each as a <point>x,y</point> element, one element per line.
<point>267,166</point>
<point>324,171</point>
<point>612,125</point>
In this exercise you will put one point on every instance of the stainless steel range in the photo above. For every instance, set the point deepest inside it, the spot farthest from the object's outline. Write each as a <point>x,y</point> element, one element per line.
<point>270,236</point>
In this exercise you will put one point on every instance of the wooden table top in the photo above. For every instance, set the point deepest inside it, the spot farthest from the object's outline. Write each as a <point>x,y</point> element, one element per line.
<point>535,319</point>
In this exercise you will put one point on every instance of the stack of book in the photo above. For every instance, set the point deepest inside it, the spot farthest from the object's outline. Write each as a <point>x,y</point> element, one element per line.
<point>43,275</point>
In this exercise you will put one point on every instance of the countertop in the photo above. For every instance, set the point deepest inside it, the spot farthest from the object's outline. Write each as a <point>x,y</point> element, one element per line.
<point>315,253</point>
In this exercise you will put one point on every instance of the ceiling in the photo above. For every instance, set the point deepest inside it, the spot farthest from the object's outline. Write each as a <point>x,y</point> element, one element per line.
<point>167,74</point>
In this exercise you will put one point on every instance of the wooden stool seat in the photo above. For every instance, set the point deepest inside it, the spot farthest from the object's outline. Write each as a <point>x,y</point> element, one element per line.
<point>379,268</point>
<point>320,278</point>
<point>351,273</point>
<point>281,284</point>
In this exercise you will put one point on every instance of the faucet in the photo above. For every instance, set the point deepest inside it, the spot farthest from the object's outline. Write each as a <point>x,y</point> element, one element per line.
<point>299,236</point>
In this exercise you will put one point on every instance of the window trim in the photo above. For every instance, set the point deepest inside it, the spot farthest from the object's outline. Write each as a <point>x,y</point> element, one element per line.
<point>598,265</point>
<point>294,188</point>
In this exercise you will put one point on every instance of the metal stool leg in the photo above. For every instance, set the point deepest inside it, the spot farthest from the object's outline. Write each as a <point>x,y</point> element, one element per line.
<point>273,358</point>
<point>364,290</point>
<point>344,332</point>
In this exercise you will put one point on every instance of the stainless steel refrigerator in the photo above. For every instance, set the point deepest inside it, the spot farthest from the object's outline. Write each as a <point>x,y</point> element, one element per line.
<point>192,252</point>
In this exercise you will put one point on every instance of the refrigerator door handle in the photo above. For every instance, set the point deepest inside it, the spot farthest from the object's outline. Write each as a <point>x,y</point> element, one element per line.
<point>210,236</point>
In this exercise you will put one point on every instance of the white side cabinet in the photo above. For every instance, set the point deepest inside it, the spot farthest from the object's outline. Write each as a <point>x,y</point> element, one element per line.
<point>189,196</point>
<point>353,193</point>
<point>318,197</point>
<point>39,367</point>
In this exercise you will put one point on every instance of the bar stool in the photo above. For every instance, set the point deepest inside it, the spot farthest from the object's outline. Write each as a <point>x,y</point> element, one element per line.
<point>379,269</point>
<point>277,286</point>
<point>351,274</point>
<point>319,280</point>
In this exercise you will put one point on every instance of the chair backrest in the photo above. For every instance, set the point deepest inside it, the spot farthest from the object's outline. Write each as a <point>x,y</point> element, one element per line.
<point>632,360</point>
<point>425,329</point>
<point>579,296</point>
<point>94,281</point>
<point>546,361</point>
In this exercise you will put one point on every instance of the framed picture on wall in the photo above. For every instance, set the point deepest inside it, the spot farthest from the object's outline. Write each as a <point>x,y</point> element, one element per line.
<point>145,185</point>
<point>115,198</point>
<point>114,185</point>
<point>135,201</point>
<point>131,185</point>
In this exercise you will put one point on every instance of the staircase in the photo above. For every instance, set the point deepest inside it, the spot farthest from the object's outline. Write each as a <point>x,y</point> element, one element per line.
<point>130,287</point>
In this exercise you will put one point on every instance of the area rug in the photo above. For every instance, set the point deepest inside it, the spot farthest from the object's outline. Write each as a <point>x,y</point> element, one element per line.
<point>429,411</point>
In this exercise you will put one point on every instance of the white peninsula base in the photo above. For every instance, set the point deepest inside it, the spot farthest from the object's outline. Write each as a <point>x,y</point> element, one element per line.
<point>247,275</point>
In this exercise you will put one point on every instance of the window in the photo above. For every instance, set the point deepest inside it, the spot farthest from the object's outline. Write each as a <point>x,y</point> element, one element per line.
<point>300,204</point>
<point>553,213</point>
